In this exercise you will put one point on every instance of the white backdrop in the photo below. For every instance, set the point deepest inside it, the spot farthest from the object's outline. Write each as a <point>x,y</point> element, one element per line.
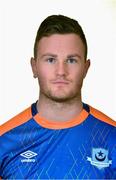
<point>20,20</point>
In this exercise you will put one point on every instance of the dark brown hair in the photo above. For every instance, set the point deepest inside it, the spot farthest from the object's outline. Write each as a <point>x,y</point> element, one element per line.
<point>59,24</point>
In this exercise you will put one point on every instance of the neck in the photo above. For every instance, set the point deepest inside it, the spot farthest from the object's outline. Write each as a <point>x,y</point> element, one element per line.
<point>59,111</point>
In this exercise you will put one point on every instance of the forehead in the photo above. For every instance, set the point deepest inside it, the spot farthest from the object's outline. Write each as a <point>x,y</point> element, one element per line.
<point>58,43</point>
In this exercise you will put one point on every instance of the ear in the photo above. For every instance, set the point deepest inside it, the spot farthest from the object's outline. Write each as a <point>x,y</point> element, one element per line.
<point>87,65</point>
<point>33,63</point>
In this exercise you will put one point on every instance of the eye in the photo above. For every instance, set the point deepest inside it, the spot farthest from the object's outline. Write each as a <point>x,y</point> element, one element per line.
<point>72,60</point>
<point>50,60</point>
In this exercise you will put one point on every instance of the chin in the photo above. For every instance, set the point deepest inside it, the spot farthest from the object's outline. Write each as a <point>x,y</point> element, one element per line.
<point>63,98</point>
<point>60,100</point>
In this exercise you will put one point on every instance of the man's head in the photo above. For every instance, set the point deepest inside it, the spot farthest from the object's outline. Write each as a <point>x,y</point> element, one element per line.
<point>59,24</point>
<point>60,58</point>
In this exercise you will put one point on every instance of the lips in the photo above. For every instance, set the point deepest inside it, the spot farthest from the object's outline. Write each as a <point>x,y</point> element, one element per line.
<point>60,82</point>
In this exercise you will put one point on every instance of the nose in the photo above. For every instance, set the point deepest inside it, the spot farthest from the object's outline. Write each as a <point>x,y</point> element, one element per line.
<point>61,69</point>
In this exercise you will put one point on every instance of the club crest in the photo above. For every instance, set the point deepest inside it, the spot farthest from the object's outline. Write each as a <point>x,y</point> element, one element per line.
<point>99,158</point>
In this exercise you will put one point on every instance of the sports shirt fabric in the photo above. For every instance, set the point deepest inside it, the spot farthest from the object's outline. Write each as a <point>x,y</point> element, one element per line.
<point>32,147</point>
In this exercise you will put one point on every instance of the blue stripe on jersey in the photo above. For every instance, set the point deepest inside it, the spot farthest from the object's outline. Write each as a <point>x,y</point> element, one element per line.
<point>34,109</point>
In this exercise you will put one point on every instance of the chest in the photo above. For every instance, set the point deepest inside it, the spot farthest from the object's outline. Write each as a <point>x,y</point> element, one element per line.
<point>53,154</point>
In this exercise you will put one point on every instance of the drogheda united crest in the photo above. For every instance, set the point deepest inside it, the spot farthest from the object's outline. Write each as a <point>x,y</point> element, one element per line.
<point>99,158</point>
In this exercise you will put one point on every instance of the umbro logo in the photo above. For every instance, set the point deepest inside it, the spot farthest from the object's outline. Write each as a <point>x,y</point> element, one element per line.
<point>28,155</point>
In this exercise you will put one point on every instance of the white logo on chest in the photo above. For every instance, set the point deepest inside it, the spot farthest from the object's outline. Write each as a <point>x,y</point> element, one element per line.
<point>28,155</point>
<point>99,158</point>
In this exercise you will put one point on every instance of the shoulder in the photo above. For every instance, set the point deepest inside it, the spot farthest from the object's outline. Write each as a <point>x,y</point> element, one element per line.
<point>101,116</point>
<point>19,119</point>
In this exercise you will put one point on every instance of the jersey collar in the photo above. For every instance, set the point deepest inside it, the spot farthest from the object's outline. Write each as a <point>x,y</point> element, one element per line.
<point>60,125</point>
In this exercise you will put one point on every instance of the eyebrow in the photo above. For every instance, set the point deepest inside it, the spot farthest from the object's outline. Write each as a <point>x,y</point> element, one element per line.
<point>74,55</point>
<point>54,55</point>
<point>48,54</point>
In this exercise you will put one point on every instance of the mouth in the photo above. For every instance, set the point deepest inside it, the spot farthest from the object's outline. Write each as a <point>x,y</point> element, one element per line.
<point>61,82</point>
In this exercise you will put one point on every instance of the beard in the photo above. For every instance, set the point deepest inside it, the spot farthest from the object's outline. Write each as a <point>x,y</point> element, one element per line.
<point>62,95</point>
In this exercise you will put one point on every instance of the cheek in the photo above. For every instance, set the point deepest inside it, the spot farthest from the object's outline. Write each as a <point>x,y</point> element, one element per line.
<point>44,70</point>
<point>78,74</point>
<point>44,75</point>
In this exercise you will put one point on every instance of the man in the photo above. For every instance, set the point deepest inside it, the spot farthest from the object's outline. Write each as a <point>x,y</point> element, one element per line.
<point>59,136</point>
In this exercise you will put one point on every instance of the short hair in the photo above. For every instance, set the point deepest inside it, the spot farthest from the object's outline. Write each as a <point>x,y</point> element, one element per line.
<point>59,24</point>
